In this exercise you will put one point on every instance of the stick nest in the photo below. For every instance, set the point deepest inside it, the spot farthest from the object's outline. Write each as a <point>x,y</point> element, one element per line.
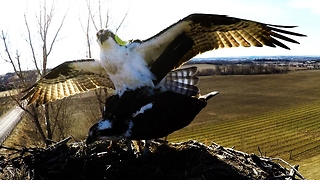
<point>185,160</point>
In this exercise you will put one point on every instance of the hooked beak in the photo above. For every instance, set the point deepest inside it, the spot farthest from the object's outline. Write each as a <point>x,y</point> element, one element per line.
<point>103,35</point>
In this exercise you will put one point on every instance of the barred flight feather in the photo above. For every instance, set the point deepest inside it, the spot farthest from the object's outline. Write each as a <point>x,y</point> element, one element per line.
<point>68,79</point>
<point>182,81</point>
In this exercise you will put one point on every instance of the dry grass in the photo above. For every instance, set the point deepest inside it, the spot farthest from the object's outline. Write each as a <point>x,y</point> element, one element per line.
<point>5,104</point>
<point>80,112</point>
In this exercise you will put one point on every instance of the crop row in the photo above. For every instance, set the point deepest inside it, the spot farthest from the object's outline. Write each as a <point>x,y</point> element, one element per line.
<point>295,129</point>
<point>287,119</point>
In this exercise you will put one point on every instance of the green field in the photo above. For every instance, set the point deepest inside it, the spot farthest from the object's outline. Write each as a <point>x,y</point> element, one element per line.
<point>280,114</point>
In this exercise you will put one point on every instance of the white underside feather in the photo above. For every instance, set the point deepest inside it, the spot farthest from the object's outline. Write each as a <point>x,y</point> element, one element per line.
<point>126,69</point>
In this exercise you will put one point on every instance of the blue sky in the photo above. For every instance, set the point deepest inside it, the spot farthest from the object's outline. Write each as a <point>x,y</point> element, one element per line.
<point>146,18</point>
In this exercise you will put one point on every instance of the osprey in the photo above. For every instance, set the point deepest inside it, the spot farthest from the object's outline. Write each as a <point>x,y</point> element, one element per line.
<point>147,117</point>
<point>144,63</point>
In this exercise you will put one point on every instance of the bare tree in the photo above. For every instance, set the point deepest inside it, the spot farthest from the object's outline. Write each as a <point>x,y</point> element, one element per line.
<point>15,62</point>
<point>51,120</point>
<point>44,20</point>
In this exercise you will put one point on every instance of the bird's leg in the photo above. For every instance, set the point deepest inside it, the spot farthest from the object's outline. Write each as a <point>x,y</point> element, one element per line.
<point>113,145</point>
<point>129,145</point>
<point>110,145</point>
<point>165,140</point>
<point>146,148</point>
<point>140,144</point>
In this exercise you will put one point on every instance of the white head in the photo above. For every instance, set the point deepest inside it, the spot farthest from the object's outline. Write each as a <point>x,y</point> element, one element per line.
<point>100,131</point>
<point>107,129</point>
<point>104,36</point>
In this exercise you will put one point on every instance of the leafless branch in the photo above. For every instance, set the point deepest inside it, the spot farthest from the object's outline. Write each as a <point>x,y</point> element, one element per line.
<point>100,99</point>
<point>100,17</point>
<point>56,35</point>
<point>31,46</point>
<point>91,15</point>
<point>22,106</point>
<point>15,64</point>
<point>18,61</point>
<point>122,21</point>
<point>4,39</point>
<point>88,43</point>
<point>292,167</point>
<point>19,73</point>
<point>59,106</point>
<point>86,32</point>
<point>107,20</point>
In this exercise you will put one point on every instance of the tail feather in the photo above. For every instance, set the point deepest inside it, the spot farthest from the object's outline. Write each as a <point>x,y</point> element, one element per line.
<point>192,80</point>
<point>184,89</point>
<point>185,72</point>
<point>208,96</point>
<point>182,81</point>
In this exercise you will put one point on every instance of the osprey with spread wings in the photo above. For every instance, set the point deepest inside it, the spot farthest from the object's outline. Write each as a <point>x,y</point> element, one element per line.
<point>130,65</point>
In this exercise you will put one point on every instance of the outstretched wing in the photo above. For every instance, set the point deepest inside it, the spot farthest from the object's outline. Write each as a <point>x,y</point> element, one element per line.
<point>67,79</point>
<point>198,33</point>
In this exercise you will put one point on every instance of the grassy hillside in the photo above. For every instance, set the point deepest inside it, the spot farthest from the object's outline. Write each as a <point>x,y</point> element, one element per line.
<point>5,104</point>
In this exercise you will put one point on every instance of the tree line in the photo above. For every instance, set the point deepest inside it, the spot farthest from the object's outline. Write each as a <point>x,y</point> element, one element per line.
<point>243,69</point>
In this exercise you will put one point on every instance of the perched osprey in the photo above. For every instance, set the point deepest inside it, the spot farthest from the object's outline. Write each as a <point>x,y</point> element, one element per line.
<point>129,66</point>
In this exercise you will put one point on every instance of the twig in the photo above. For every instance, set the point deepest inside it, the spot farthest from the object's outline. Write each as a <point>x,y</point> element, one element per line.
<point>29,41</point>
<point>122,20</point>
<point>281,177</point>
<point>260,151</point>
<point>64,141</point>
<point>292,167</point>
<point>10,148</point>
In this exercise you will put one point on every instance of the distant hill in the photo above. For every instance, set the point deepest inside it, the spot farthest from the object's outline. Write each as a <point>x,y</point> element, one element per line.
<point>11,80</point>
